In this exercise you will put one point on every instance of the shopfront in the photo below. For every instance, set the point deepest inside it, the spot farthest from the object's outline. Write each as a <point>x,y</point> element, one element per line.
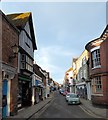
<point>39,90</point>
<point>9,98</point>
<point>81,90</point>
<point>24,92</point>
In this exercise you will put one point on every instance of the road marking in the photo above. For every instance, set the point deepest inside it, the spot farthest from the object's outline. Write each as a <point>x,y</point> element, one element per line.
<point>89,112</point>
<point>38,114</point>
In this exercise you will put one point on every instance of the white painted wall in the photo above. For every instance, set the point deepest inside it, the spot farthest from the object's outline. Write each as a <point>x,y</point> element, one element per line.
<point>88,91</point>
<point>23,39</point>
<point>27,28</point>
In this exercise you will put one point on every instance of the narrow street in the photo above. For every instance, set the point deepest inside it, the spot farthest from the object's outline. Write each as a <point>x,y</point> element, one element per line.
<point>59,108</point>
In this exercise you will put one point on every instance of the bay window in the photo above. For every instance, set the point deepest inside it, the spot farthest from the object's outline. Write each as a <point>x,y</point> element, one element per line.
<point>26,62</point>
<point>95,57</point>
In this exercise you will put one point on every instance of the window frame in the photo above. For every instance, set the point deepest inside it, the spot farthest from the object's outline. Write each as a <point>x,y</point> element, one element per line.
<point>96,87</point>
<point>28,63</point>
<point>95,58</point>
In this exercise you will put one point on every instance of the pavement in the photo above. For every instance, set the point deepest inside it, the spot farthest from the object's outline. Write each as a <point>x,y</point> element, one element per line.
<point>28,112</point>
<point>99,111</point>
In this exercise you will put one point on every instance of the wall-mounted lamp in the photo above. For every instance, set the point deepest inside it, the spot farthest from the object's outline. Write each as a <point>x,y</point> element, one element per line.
<point>15,50</point>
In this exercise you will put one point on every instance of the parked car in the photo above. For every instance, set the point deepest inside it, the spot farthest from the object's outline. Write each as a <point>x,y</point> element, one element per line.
<point>67,96</point>
<point>61,91</point>
<point>65,93</point>
<point>72,98</point>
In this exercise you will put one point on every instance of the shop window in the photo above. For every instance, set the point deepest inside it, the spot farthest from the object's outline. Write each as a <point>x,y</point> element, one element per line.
<point>97,85</point>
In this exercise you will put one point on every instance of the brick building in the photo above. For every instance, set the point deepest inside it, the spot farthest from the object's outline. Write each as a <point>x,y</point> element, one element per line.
<point>10,36</point>
<point>98,68</point>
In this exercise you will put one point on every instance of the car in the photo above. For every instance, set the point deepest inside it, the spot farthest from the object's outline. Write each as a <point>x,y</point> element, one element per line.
<point>61,91</point>
<point>65,93</point>
<point>73,98</point>
<point>67,96</point>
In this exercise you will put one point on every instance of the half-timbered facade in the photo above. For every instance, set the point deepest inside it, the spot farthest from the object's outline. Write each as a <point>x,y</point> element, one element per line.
<point>27,45</point>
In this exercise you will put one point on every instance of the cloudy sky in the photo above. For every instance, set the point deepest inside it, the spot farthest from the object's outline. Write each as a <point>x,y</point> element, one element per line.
<point>62,30</point>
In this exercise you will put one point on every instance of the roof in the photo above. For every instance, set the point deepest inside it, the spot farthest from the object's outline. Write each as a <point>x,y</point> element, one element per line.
<point>36,69</point>
<point>102,37</point>
<point>20,20</point>
<point>70,69</point>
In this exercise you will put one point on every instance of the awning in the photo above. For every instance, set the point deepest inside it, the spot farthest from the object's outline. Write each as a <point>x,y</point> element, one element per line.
<point>39,83</point>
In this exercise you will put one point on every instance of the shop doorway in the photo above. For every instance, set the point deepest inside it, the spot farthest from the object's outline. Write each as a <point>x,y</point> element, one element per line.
<point>4,98</point>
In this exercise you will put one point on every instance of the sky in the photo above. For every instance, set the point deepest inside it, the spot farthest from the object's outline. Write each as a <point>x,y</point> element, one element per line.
<point>62,29</point>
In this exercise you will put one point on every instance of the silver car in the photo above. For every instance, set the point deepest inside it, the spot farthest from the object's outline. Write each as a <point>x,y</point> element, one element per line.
<point>72,98</point>
<point>67,96</point>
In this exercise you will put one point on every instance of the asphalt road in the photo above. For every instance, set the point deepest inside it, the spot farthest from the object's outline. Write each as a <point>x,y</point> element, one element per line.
<point>59,108</point>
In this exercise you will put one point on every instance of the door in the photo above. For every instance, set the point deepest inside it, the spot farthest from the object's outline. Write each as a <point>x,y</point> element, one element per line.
<point>4,98</point>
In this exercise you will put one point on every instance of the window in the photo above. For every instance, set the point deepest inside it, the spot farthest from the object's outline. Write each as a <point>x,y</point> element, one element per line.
<point>84,61</point>
<point>22,61</point>
<point>29,63</point>
<point>22,65</point>
<point>23,57</point>
<point>95,56</point>
<point>26,62</point>
<point>96,85</point>
<point>85,73</point>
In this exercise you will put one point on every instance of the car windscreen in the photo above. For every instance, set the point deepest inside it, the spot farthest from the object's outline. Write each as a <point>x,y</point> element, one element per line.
<point>74,96</point>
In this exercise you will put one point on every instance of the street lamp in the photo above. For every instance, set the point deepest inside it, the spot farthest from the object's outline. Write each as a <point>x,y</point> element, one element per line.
<point>15,50</point>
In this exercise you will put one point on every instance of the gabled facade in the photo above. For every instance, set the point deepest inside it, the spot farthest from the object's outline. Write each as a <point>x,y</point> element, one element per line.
<point>98,68</point>
<point>69,79</point>
<point>82,83</point>
<point>27,45</point>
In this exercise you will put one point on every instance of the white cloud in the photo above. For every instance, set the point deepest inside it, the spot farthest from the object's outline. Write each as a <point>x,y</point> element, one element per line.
<point>45,56</point>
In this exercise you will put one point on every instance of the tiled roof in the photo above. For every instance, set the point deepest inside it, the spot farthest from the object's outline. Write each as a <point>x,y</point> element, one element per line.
<point>19,19</point>
<point>70,69</point>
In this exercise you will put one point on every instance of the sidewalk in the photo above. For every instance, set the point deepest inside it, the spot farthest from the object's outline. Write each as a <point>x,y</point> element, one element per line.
<point>99,111</point>
<point>30,111</point>
<point>86,105</point>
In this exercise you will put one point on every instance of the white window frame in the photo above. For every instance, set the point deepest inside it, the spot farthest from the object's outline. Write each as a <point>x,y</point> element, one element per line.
<point>96,85</point>
<point>93,50</point>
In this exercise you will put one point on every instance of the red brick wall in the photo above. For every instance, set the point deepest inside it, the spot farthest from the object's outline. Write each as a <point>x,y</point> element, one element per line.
<point>10,38</point>
<point>103,71</point>
<point>104,56</point>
